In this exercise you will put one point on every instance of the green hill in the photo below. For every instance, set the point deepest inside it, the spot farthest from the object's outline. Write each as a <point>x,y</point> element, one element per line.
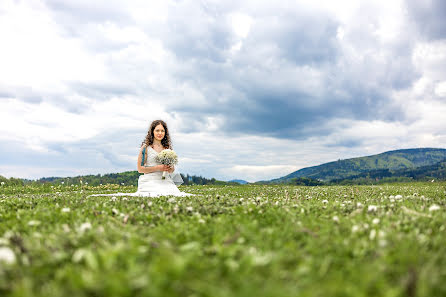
<point>423,173</point>
<point>392,160</point>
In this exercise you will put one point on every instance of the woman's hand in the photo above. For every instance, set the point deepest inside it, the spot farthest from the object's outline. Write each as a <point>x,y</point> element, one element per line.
<point>163,168</point>
<point>171,169</point>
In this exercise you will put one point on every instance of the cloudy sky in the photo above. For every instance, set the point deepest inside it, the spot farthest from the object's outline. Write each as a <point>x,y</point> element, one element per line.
<point>249,89</point>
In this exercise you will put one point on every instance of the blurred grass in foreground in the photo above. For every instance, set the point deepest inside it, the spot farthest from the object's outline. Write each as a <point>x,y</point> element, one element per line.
<point>252,240</point>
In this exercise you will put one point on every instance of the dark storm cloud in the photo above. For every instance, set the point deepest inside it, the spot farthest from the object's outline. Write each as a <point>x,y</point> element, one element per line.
<point>430,17</point>
<point>301,39</point>
<point>267,88</point>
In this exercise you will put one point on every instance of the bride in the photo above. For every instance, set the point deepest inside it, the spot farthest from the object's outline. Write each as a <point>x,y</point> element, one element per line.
<point>151,183</point>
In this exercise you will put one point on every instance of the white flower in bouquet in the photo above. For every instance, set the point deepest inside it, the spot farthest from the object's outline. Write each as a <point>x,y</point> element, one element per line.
<point>167,157</point>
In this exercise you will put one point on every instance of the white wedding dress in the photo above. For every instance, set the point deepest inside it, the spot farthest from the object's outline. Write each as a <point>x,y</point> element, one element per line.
<point>152,184</point>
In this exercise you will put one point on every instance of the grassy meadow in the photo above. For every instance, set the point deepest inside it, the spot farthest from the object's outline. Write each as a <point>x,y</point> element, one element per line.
<point>252,240</point>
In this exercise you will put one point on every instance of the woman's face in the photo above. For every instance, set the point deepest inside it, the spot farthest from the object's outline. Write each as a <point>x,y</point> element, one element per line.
<point>159,132</point>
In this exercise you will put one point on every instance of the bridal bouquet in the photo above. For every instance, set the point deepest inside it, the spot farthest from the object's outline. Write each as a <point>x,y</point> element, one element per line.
<point>167,157</point>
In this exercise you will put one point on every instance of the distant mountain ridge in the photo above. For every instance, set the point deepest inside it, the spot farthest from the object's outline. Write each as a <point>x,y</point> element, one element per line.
<point>391,160</point>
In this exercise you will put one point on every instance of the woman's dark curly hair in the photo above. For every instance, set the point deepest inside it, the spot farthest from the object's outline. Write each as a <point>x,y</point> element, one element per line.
<point>149,137</point>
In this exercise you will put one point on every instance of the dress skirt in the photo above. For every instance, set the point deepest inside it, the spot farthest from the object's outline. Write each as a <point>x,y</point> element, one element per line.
<point>153,185</point>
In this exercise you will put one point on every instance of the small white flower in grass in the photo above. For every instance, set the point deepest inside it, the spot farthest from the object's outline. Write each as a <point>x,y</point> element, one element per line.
<point>113,198</point>
<point>381,234</point>
<point>201,221</point>
<point>375,221</point>
<point>66,228</point>
<point>150,203</point>
<point>257,199</point>
<point>241,200</point>
<point>189,208</point>
<point>434,207</point>
<point>65,209</point>
<point>355,229</point>
<point>171,200</point>
<point>359,205</point>
<point>7,255</point>
<point>382,243</point>
<point>372,208</point>
<point>3,183</point>
<point>372,234</point>
<point>398,197</point>
<point>33,223</point>
<point>324,201</point>
<point>115,211</point>
<point>84,227</point>
<point>125,199</point>
<point>336,219</point>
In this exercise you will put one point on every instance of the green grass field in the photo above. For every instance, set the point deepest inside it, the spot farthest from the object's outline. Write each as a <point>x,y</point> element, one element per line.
<point>386,240</point>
